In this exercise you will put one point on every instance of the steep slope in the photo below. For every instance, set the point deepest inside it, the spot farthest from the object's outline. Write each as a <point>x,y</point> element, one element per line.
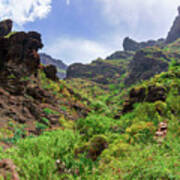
<point>61,67</point>
<point>143,139</point>
<point>30,102</point>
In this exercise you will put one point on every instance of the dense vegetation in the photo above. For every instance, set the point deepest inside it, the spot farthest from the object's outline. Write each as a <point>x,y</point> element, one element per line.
<point>108,143</point>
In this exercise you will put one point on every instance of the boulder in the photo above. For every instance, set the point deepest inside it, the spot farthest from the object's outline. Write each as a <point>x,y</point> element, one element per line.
<point>61,66</point>
<point>51,72</point>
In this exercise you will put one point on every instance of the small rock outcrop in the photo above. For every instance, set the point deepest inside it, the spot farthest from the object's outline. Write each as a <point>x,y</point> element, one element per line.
<point>174,32</point>
<point>5,27</point>
<point>150,94</point>
<point>131,45</point>
<point>60,65</point>
<point>51,72</point>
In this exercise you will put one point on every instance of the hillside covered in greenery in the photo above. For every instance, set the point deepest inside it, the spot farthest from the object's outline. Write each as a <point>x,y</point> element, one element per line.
<point>116,118</point>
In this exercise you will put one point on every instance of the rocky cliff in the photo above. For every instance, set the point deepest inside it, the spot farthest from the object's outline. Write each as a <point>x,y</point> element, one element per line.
<point>146,63</point>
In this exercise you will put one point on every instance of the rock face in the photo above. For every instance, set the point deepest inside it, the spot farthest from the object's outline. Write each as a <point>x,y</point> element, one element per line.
<point>145,64</point>
<point>174,32</point>
<point>18,54</point>
<point>61,67</point>
<point>5,27</point>
<point>99,71</point>
<point>131,45</point>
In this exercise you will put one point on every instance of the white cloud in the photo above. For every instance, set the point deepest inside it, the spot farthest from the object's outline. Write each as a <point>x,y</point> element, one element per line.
<point>148,16</point>
<point>22,11</point>
<point>139,19</point>
<point>77,50</point>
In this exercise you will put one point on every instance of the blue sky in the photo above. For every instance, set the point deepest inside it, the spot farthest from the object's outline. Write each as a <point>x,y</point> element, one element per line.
<point>82,30</point>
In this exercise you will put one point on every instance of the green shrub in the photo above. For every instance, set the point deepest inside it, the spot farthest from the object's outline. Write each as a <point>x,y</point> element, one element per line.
<point>94,124</point>
<point>49,111</point>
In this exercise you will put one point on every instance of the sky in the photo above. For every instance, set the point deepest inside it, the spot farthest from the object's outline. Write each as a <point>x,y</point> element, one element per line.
<point>83,30</point>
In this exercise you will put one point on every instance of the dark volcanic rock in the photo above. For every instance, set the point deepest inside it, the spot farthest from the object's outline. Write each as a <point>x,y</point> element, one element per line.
<point>24,94</point>
<point>131,45</point>
<point>156,94</point>
<point>5,27</point>
<point>51,72</point>
<point>99,71</point>
<point>174,33</point>
<point>153,93</point>
<point>61,67</point>
<point>18,54</point>
<point>145,64</point>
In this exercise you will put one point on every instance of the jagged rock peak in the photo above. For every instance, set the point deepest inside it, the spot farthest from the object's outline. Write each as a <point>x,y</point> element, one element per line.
<point>174,32</point>
<point>131,45</point>
<point>179,10</point>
